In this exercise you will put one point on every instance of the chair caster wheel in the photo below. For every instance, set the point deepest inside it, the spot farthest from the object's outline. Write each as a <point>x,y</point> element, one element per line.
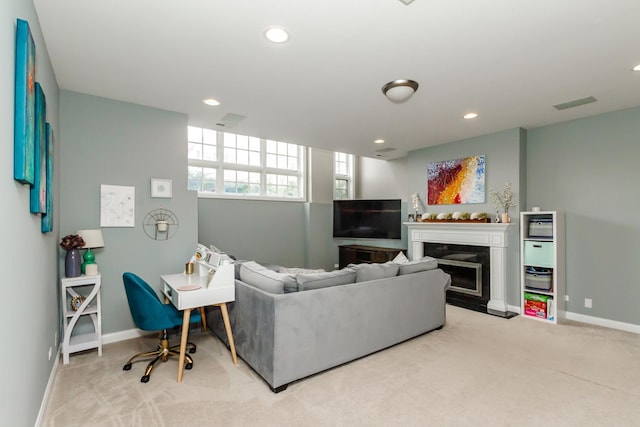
<point>127,367</point>
<point>188,366</point>
<point>144,379</point>
<point>192,350</point>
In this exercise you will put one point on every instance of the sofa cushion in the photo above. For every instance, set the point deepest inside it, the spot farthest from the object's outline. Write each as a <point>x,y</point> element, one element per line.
<point>268,280</point>
<point>422,264</point>
<point>365,272</point>
<point>324,280</point>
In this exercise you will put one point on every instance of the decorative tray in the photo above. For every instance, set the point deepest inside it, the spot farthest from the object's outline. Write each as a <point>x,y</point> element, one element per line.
<point>483,220</point>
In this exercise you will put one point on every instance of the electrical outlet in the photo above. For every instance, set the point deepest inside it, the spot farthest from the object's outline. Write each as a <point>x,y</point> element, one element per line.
<point>566,297</point>
<point>50,352</point>
<point>587,302</point>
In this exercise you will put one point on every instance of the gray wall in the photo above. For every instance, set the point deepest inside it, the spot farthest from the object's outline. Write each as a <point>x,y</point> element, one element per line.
<point>29,261</point>
<point>116,143</point>
<point>293,234</point>
<point>504,156</point>
<point>588,168</point>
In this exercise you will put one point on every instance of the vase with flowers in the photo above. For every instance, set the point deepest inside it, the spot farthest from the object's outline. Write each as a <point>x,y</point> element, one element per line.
<point>503,201</point>
<point>72,261</point>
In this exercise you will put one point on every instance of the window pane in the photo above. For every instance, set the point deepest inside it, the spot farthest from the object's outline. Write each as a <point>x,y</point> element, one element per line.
<point>254,144</point>
<point>209,136</point>
<point>243,157</point>
<point>195,151</point>
<point>272,146</point>
<point>242,142</point>
<point>254,158</point>
<point>209,152</point>
<point>229,139</point>
<point>194,134</point>
<point>229,155</point>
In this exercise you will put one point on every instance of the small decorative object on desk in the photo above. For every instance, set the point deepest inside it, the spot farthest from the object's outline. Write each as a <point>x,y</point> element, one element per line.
<point>73,260</point>
<point>503,201</point>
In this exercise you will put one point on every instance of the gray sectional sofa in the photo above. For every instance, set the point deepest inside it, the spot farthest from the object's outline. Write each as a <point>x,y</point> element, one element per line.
<point>287,327</point>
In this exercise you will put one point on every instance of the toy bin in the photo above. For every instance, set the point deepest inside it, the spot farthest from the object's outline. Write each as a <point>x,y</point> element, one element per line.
<point>536,305</point>
<point>541,228</point>
<point>538,278</point>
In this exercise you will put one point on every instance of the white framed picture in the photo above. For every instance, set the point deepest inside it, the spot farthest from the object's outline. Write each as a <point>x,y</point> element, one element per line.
<point>161,188</point>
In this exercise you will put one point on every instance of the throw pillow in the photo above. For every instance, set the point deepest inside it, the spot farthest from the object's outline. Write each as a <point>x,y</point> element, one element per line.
<point>324,280</point>
<point>401,258</point>
<point>268,280</point>
<point>365,272</point>
<point>423,264</point>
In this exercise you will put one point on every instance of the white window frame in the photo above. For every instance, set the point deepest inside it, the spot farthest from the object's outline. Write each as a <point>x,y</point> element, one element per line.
<point>220,165</point>
<point>349,176</point>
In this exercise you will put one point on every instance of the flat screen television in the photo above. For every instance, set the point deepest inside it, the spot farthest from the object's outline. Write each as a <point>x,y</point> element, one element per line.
<point>367,219</point>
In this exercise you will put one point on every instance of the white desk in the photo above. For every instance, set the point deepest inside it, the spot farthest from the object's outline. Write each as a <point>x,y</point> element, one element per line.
<point>219,292</point>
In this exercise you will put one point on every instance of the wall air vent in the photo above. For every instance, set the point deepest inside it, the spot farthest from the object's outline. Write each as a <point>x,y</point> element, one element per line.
<point>231,120</point>
<point>575,103</point>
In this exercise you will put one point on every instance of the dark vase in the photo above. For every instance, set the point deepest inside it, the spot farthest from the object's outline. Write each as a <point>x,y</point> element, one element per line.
<point>72,263</point>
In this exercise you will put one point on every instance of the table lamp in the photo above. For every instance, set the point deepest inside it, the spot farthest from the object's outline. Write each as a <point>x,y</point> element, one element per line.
<point>92,239</point>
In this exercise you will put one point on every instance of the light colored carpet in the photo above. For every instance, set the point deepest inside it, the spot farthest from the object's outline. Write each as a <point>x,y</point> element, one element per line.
<point>479,370</point>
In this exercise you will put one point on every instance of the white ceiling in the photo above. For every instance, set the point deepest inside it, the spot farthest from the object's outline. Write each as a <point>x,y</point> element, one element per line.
<point>507,60</point>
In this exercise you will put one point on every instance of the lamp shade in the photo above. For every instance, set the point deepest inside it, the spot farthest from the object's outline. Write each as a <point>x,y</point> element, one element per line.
<point>92,238</point>
<point>399,91</point>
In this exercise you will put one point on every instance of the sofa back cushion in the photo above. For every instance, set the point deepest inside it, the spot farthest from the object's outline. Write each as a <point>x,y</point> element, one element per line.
<point>366,272</point>
<point>324,280</point>
<point>261,277</point>
<point>422,264</point>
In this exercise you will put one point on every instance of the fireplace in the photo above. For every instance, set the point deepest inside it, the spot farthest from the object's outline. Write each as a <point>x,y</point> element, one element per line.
<point>501,242</point>
<point>469,267</point>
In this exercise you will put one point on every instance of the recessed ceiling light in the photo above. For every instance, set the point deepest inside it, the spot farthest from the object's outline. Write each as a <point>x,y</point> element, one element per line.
<point>470,115</point>
<point>276,34</point>
<point>212,102</point>
<point>379,141</point>
<point>636,68</point>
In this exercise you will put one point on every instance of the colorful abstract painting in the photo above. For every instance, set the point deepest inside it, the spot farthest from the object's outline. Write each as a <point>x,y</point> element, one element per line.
<point>39,188</point>
<point>47,218</point>
<point>24,114</point>
<point>454,182</point>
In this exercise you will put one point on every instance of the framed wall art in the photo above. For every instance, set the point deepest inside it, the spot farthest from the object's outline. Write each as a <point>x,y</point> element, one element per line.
<point>458,181</point>
<point>47,218</point>
<point>39,187</point>
<point>24,112</point>
<point>161,188</point>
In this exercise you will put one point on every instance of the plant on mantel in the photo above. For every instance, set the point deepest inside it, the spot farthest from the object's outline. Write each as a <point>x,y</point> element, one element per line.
<point>503,201</point>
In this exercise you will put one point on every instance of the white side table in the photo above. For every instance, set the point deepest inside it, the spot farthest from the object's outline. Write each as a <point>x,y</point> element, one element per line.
<point>81,297</point>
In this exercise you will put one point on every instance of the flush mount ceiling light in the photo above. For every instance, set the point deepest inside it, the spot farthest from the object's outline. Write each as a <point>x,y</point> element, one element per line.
<point>399,91</point>
<point>469,116</point>
<point>276,34</point>
<point>212,102</point>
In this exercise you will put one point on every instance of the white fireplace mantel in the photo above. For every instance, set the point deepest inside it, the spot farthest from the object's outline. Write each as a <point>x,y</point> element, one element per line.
<point>497,236</point>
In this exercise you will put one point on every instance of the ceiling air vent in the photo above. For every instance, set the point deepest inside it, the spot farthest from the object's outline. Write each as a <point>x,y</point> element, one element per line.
<point>231,120</point>
<point>575,103</point>
<point>385,150</point>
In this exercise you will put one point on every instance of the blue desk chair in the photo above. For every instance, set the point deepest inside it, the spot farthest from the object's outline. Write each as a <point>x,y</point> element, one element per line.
<point>150,314</point>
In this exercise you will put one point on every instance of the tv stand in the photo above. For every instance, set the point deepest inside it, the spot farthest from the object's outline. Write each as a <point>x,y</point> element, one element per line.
<point>360,254</point>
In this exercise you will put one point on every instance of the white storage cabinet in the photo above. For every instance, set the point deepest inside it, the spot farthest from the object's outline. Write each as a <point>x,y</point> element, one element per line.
<point>542,273</point>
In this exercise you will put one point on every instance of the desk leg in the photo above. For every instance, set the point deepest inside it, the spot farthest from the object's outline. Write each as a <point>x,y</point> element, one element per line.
<point>203,314</point>
<point>183,341</point>
<point>227,327</point>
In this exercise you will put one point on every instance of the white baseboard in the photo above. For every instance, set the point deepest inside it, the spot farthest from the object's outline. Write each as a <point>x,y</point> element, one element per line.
<point>123,336</point>
<point>47,390</point>
<point>599,321</point>
<point>592,320</point>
